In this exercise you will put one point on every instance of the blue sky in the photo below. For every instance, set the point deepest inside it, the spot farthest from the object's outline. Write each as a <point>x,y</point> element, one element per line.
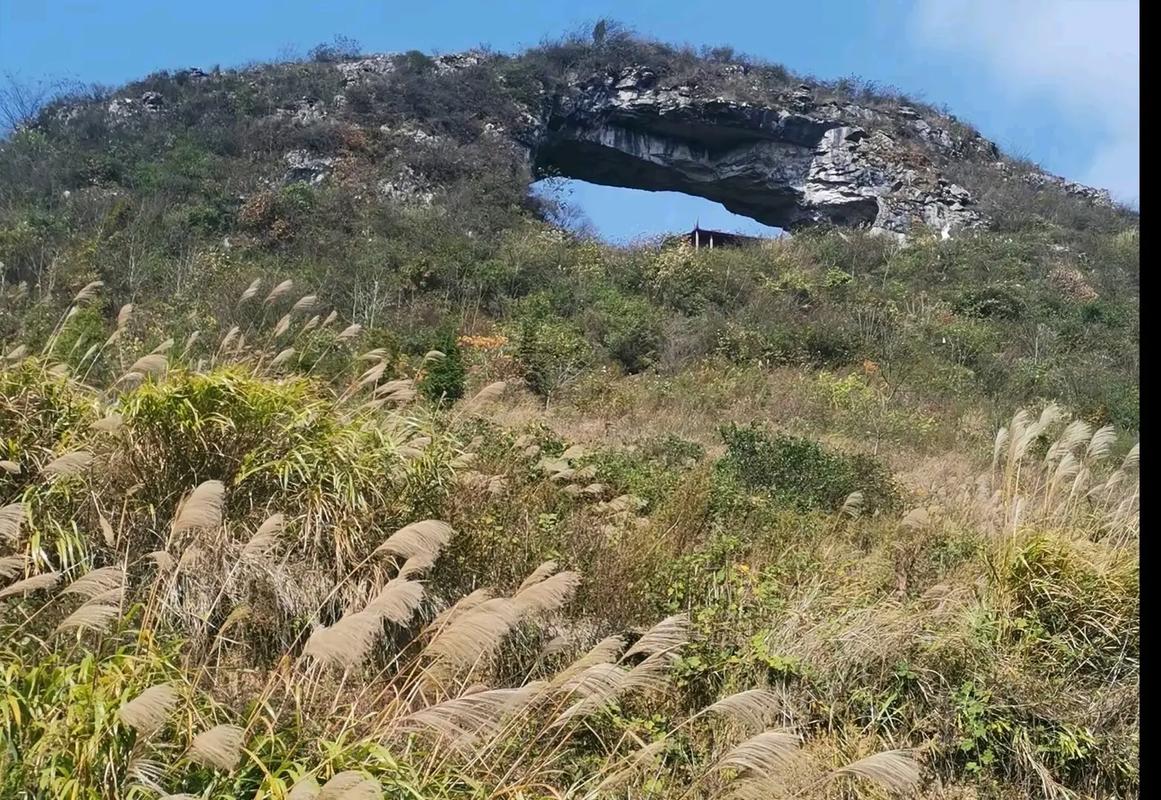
<point>1053,80</point>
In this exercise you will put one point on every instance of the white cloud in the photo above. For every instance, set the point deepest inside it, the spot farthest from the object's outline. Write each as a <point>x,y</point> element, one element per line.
<point>1082,54</point>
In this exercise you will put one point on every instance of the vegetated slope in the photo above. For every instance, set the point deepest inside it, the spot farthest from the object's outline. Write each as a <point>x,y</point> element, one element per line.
<point>326,459</point>
<point>398,189</point>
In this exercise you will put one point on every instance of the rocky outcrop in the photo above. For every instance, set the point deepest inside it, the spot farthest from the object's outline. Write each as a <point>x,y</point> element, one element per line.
<point>303,167</point>
<point>788,163</point>
<point>792,164</point>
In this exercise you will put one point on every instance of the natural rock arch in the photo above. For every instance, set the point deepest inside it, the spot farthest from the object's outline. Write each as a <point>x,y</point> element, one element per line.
<point>786,166</point>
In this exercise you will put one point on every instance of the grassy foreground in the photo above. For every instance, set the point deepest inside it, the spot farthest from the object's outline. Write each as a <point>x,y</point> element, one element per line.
<point>226,574</point>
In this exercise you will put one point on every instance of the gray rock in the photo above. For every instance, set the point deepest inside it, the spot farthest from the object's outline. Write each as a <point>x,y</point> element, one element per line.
<point>364,69</point>
<point>121,109</point>
<point>457,61</point>
<point>303,111</point>
<point>798,161</point>
<point>193,75</point>
<point>152,101</point>
<point>304,167</point>
<point>405,187</point>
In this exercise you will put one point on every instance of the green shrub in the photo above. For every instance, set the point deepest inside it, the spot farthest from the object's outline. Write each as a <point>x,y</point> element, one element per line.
<point>628,327</point>
<point>1002,302</point>
<point>444,378</point>
<point>551,352</point>
<point>799,472</point>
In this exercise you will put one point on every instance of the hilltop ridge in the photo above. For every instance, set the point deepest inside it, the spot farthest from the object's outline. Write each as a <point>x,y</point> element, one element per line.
<point>628,113</point>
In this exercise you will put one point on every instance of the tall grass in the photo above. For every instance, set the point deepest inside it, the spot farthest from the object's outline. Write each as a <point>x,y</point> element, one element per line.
<point>227,581</point>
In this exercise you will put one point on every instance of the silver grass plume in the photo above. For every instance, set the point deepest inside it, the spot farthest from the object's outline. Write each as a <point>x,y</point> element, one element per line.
<point>282,357</point>
<point>668,634</point>
<point>265,538</point>
<point>347,642</point>
<point>203,507</point>
<point>463,719</point>
<point>13,565</point>
<point>278,291</point>
<point>305,788</point>
<point>473,634</point>
<point>219,747</point>
<point>110,423</point>
<point>853,505</point>
<point>163,348</point>
<point>282,326</point>
<point>45,580</point>
<point>306,303</point>
<point>397,601</point>
<point>427,537</point>
<point>95,582</point>
<point>351,785</point>
<point>549,594</point>
<point>148,711</point>
<point>1076,433</point>
<point>88,292</point>
<point>151,364</point>
<point>11,518</point>
<point>894,770</point>
<point>752,709</point>
<point>89,617</point>
<point>250,291</point>
<point>767,754</point>
<point>538,574</point>
<point>68,464</point>
<point>464,604</point>
<point>1101,443</point>
<point>1132,458</point>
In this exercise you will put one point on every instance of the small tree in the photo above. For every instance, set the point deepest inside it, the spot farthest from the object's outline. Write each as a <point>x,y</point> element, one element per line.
<point>341,48</point>
<point>21,102</point>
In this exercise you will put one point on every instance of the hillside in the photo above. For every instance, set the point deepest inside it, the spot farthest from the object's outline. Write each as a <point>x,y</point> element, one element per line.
<point>328,453</point>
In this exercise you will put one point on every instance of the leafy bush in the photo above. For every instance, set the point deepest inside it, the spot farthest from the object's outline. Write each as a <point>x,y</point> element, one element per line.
<point>551,352</point>
<point>444,377</point>
<point>801,473</point>
<point>628,327</point>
